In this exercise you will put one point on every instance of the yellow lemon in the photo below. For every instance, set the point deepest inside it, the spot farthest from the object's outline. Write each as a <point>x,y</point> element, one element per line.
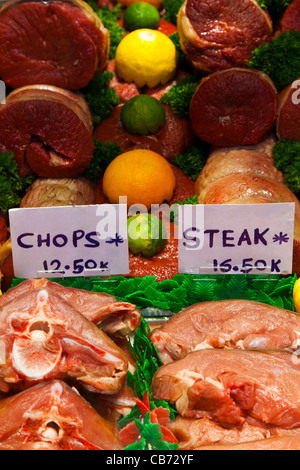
<point>143,176</point>
<point>146,57</point>
<point>296,295</point>
<point>126,3</point>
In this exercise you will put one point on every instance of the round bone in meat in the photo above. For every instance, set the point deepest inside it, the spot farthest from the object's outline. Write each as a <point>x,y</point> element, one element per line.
<point>48,129</point>
<point>234,107</point>
<point>217,35</point>
<point>61,43</point>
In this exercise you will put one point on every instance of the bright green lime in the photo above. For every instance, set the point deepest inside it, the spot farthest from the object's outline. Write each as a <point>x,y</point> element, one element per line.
<point>143,115</point>
<point>146,234</point>
<point>141,15</point>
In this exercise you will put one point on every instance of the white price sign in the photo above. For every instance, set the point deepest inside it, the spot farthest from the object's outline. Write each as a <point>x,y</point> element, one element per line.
<point>69,241</point>
<point>236,239</point>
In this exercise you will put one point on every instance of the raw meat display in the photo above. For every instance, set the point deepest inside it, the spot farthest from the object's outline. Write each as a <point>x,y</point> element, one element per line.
<point>228,385</point>
<point>221,35</point>
<point>62,149</point>
<point>61,43</point>
<point>291,17</point>
<point>288,122</point>
<point>118,318</point>
<point>44,337</point>
<point>240,324</point>
<point>53,416</point>
<point>234,107</point>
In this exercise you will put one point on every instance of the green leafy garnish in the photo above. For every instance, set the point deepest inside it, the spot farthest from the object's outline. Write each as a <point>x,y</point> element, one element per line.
<point>180,95</point>
<point>104,154</point>
<point>172,8</point>
<point>174,208</point>
<point>286,154</point>
<point>100,97</point>
<point>193,160</point>
<point>279,59</point>
<point>182,62</point>
<point>12,186</point>
<point>109,18</point>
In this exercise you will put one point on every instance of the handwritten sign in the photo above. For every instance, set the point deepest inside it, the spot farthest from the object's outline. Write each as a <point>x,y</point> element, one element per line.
<point>236,239</point>
<point>69,241</point>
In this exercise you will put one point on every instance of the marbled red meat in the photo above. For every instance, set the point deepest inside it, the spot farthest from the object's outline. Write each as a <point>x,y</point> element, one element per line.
<point>217,35</point>
<point>48,129</point>
<point>234,107</point>
<point>288,121</point>
<point>56,42</point>
<point>175,137</point>
<point>53,416</point>
<point>291,17</point>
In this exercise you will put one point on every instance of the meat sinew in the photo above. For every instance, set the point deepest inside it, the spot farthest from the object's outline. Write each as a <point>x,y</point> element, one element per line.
<point>234,107</point>
<point>114,317</point>
<point>48,129</point>
<point>220,35</point>
<point>56,42</point>
<point>53,416</point>
<point>229,385</point>
<point>43,337</point>
<point>174,137</point>
<point>241,324</point>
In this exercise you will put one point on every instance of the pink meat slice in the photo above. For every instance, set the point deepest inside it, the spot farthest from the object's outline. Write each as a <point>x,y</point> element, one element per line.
<point>43,337</point>
<point>273,443</point>
<point>234,107</point>
<point>174,137</point>
<point>53,416</point>
<point>217,35</point>
<point>197,433</point>
<point>237,323</point>
<point>229,385</point>
<point>288,121</point>
<point>112,316</point>
<point>48,129</point>
<point>61,43</point>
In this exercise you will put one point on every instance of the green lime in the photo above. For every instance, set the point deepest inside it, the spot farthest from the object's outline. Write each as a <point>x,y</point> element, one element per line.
<point>146,234</point>
<point>141,15</point>
<point>143,115</point>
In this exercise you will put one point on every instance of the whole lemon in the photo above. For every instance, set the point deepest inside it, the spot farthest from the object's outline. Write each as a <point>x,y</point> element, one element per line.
<point>126,3</point>
<point>296,295</point>
<point>146,57</point>
<point>142,176</point>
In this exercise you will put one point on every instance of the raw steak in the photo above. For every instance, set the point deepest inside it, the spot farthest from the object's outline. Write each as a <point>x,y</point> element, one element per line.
<point>197,433</point>
<point>273,443</point>
<point>114,317</point>
<point>43,337</point>
<point>53,416</point>
<point>229,385</point>
<point>48,129</point>
<point>174,137</point>
<point>234,107</point>
<point>291,17</point>
<point>216,35</point>
<point>55,42</point>
<point>241,324</point>
<point>288,121</point>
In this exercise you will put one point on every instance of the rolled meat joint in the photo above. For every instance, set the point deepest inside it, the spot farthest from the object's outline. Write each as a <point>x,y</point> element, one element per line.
<point>291,17</point>
<point>54,42</point>
<point>237,323</point>
<point>113,317</point>
<point>247,179</point>
<point>43,337</point>
<point>220,35</point>
<point>234,107</point>
<point>230,385</point>
<point>48,129</point>
<point>53,416</point>
<point>174,137</point>
<point>288,121</point>
<point>50,192</point>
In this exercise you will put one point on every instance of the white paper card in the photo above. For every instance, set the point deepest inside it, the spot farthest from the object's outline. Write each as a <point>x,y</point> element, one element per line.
<point>69,241</point>
<point>236,239</point>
